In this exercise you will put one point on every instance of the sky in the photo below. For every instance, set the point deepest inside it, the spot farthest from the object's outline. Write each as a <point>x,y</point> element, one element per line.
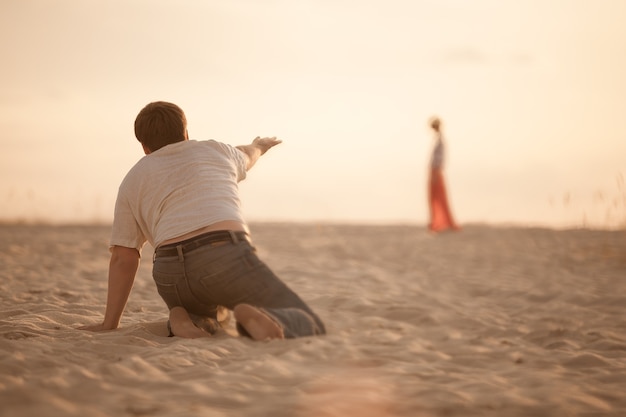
<point>532,95</point>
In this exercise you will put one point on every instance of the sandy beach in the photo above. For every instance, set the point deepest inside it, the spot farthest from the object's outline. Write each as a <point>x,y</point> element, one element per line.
<point>491,321</point>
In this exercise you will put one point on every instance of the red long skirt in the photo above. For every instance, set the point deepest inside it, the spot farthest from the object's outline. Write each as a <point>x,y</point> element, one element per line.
<point>440,215</point>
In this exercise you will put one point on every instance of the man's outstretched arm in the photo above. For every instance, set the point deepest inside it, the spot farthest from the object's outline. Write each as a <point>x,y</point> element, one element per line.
<point>257,148</point>
<point>122,270</point>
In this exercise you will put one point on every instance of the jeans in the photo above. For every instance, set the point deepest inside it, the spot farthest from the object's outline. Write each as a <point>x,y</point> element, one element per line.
<point>206,278</point>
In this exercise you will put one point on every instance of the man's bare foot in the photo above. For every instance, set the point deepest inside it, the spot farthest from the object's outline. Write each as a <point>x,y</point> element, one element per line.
<point>257,324</point>
<point>182,325</point>
<point>223,315</point>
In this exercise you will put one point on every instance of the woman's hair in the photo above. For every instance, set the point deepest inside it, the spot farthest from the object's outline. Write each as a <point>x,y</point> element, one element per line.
<point>435,122</point>
<point>160,124</point>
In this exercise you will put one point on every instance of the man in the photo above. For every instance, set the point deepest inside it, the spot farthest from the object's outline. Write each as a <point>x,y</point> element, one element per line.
<point>183,199</point>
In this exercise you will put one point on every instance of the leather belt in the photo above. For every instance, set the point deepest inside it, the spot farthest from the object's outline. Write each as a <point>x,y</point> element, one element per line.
<point>219,236</point>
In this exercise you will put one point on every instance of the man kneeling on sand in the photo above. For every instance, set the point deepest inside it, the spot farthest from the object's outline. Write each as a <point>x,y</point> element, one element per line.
<point>183,198</point>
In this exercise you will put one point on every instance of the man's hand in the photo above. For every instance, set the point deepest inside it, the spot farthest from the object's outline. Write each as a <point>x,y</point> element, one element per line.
<point>264,144</point>
<point>122,269</point>
<point>93,327</point>
<point>257,148</point>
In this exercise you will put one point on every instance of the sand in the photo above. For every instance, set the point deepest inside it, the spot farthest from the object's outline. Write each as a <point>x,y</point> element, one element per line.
<point>491,321</point>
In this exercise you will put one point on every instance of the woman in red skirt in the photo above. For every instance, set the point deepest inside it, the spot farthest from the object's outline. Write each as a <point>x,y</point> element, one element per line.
<point>440,215</point>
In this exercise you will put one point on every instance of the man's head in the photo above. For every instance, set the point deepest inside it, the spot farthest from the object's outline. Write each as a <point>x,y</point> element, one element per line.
<point>160,124</point>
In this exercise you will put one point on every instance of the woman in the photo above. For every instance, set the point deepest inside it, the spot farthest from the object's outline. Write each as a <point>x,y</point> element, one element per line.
<point>440,215</point>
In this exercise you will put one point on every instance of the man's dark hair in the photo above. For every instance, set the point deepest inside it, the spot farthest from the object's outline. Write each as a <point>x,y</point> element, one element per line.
<point>159,124</point>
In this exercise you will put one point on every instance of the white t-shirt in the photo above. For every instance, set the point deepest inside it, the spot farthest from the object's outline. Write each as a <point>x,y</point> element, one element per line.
<point>177,189</point>
<point>436,160</point>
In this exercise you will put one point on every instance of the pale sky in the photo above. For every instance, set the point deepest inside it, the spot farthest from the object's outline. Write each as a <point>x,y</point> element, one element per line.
<point>532,94</point>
